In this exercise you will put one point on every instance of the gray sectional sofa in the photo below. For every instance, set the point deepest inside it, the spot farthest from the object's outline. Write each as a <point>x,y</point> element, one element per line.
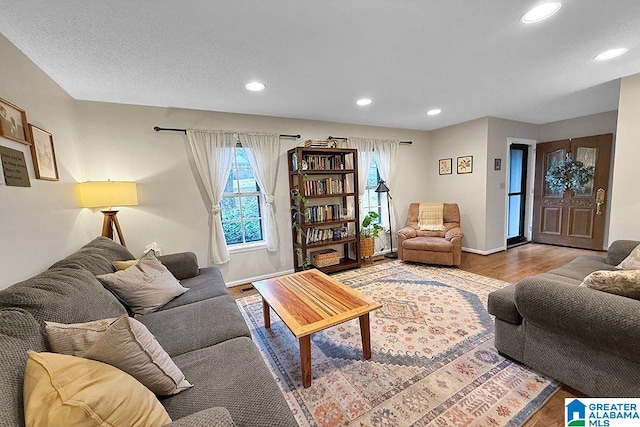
<point>202,330</point>
<point>587,339</point>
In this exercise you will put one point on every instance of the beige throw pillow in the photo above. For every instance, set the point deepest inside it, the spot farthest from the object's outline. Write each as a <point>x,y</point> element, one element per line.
<point>62,390</point>
<point>146,286</point>
<point>632,262</point>
<point>124,343</point>
<point>621,282</point>
<point>123,265</point>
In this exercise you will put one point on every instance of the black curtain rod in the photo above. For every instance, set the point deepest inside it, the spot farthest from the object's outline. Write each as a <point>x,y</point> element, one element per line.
<point>342,138</point>
<point>159,129</point>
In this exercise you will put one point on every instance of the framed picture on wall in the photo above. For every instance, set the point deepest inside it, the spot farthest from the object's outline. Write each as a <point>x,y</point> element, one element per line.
<point>43,154</point>
<point>13,122</point>
<point>445,166</point>
<point>465,164</point>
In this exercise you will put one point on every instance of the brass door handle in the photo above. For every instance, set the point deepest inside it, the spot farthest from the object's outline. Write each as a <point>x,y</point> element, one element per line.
<point>600,199</point>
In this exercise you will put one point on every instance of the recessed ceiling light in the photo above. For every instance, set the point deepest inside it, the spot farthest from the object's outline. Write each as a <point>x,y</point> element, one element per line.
<point>254,86</point>
<point>434,112</point>
<point>540,12</point>
<point>364,101</point>
<point>611,53</point>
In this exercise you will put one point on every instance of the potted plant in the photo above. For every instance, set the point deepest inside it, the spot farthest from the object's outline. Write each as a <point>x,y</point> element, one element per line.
<point>368,233</point>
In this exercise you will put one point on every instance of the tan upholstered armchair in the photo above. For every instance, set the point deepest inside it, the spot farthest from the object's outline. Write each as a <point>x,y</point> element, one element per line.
<point>431,247</point>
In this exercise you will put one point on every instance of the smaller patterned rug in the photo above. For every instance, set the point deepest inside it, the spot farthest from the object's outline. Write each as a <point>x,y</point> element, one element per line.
<point>433,361</point>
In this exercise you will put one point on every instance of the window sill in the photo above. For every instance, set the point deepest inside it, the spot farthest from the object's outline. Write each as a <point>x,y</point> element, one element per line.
<point>247,247</point>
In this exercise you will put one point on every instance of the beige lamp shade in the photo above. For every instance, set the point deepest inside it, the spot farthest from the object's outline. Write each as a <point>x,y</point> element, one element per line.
<point>98,194</point>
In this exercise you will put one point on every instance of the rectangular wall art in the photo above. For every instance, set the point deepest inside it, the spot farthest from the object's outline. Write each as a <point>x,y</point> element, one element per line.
<point>13,122</point>
<point>43,154</point>
<point>465,164</point>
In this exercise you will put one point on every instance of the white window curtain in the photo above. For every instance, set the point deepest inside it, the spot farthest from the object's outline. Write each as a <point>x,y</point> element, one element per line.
<point>213,156</point>
<point>365,148</point>
<point>386,157</point>
<point>263,150</point>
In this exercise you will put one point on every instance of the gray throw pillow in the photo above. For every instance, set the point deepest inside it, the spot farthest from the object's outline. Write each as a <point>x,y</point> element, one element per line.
<point>146,286</point>
<point>122,342</point>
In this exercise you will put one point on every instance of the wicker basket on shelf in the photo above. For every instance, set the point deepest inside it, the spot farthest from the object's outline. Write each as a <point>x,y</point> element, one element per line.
<point>325,258</point>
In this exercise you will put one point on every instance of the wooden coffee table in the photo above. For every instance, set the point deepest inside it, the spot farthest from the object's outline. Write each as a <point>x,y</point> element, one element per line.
<point>310,301</point>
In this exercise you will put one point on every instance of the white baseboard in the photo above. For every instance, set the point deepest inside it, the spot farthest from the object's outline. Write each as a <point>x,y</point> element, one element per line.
<point>255,279</point>
<point>489,252</point>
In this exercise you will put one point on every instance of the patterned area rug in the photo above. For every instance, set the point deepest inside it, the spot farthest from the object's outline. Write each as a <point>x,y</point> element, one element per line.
<point>433,361</point>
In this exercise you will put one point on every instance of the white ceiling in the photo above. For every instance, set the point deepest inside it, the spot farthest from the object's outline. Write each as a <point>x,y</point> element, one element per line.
<point>469,58</point>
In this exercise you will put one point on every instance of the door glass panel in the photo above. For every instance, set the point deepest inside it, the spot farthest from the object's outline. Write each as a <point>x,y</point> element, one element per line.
<point>588,156</point>
<point>553,159</point>
<point>514,216</point>
<point>515,171</point>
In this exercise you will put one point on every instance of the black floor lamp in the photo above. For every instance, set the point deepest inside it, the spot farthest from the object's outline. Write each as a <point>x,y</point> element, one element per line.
<point>382,188</point>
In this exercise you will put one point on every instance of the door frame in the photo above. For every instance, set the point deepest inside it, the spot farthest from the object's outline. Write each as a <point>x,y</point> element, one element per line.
<point>531,170</point>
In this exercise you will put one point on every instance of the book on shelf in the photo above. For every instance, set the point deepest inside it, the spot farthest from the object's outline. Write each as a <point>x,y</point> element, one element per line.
<point>317,235</point>
<point>320,187</point>
<point>323,213</point>
<point>316,143</point>
<point>324,162</point>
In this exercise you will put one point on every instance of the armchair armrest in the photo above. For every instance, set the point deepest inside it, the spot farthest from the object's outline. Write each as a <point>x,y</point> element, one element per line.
<point>605,321</point>
<point>182,265</point>
<point>407,233</point>
<point>452,233</point>
<point>619,250</point>
<point>211,417</point>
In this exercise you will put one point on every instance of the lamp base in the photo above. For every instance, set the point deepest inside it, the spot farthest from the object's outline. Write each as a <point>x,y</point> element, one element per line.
<point>111,221</point>
<point>391,255</point>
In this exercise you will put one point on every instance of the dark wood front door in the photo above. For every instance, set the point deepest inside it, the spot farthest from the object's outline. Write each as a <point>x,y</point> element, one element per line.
<point>574,218</point>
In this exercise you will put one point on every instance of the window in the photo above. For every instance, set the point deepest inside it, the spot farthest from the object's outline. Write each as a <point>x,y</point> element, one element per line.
<point>241,215</point>
<point>372,201</point>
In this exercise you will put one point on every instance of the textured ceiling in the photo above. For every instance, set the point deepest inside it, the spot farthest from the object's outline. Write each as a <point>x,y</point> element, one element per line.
<point>469,58</point>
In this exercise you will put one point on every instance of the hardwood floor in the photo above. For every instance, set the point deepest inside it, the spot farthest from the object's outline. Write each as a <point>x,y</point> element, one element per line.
<point>510,266</point>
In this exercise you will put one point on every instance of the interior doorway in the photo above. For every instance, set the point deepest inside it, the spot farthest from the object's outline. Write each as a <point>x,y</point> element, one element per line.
<point>519,229</point>
<point>517,194</point>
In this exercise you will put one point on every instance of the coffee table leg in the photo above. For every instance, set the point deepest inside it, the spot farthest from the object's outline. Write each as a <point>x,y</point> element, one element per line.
<point>266,314</point>
<point>305,360</point>
<point>366,337</point>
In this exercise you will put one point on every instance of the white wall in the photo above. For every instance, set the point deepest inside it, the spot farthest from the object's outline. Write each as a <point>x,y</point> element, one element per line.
<point>498,147</point>
<point>625,203</point>
<point>40,224</point>
<point>467,190</point>
<point>119,143</point>
<point>594,124</point>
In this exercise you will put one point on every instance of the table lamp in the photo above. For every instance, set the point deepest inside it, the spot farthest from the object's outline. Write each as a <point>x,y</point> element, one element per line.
<point>100,194</point>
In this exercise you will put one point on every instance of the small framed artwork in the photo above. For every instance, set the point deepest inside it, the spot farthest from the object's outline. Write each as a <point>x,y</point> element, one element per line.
<point>445,166</point>
<point>497,164</point>
<point>43,154</point>
<point>465,164</point>
<point>13,122</point>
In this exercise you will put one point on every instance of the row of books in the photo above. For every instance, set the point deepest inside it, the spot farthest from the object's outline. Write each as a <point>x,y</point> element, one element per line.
<point>324,213</point>
<point>320,187</point>
<point>315,235</point>
<point>322,162</point>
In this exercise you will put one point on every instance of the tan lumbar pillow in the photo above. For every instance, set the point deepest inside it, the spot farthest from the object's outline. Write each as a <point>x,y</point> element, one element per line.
<point>123,265</point>
<point>124,343</point>
<point>620,282</point>
<point>632,262</point>
<point>62,390</point>
<point>146,286</point>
